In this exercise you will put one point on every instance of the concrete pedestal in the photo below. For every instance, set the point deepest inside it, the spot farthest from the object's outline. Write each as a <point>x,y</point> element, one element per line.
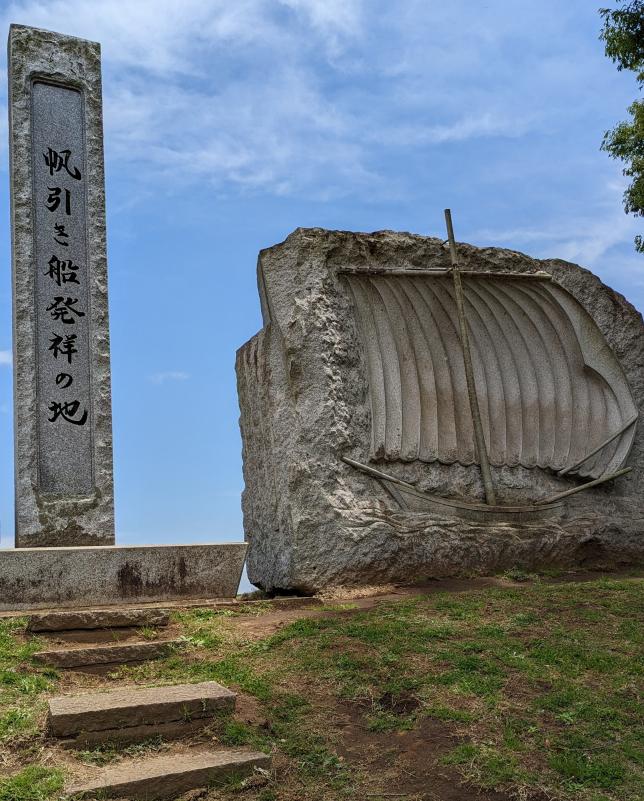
<point>41,578</point>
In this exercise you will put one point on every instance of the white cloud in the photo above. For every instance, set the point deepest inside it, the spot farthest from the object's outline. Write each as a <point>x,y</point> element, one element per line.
<point>585,239</point>
<point>168,375</point>
<point>227,92</point>
<point>599,239</point>
<point>159,36</point>
<point>6,358</point>
<point>487,124</point>
<point>318,98</point>
<point>336,20</point>
<point>293,96</point>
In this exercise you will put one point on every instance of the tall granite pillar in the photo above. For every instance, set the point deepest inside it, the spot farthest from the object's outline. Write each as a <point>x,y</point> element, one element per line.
<point>63,421</point>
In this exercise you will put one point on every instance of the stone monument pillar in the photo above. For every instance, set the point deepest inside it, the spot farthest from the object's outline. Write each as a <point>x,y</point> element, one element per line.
<point>64,487</point>
<point>63,420</point>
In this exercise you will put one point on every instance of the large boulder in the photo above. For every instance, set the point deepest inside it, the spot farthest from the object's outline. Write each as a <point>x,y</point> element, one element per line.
<point>309,395</point>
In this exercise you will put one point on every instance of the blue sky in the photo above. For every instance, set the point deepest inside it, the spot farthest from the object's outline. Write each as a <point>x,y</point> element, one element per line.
<point>229,124</point>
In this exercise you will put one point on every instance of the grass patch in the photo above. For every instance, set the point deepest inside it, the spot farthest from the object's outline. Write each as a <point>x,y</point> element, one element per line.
<point>519,575</point>
<point>337,607</point>
<point>233,670</point>
<point>536,686</point>
<point>541,679</point>
<point>384,720</point>
<point>148,633</point>
<point>34,783</point>
<point>21,682</point>
<point>109,752</point>
<point>485,766</point>
<point>16,722</point>
<point>579,770</point>
<point>440,712</point>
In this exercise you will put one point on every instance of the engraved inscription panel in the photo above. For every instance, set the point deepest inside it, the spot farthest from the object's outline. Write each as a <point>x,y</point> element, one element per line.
<point>61,285</point>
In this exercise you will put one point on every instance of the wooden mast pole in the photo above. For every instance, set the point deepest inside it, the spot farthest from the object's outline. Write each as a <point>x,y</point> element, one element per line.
<point>490,496</point>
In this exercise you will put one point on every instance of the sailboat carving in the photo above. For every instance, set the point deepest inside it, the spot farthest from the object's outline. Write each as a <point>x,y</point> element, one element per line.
<point>546,387</point>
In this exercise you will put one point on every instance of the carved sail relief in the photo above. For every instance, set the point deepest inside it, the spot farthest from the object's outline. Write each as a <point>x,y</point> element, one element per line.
<point>550,390</point>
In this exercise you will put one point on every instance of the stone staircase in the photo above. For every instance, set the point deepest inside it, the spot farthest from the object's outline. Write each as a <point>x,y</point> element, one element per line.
<point>135,714</point>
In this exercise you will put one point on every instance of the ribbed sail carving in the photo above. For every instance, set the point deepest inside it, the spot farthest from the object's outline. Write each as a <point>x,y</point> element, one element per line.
<point>550,390</point>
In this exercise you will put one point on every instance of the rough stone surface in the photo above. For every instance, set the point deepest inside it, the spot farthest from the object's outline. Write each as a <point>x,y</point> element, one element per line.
<point>98,619</point>
<point>94,655</point>
<point>312,521</point>
<point>64,484</point>
<point>42,578</point>
<point>169,775</point>
<point>172,730</point>
<point>139,706</point>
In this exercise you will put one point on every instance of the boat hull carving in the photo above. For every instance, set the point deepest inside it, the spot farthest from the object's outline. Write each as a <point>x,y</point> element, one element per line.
<point>413,500</point>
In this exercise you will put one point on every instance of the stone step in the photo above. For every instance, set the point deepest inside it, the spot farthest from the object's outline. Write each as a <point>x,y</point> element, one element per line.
<point>169,775</point>
<point>116,654</point>
<point>57,640</point>
<point>137,712</point>
<point>131,735</point>
<point>98,619</point>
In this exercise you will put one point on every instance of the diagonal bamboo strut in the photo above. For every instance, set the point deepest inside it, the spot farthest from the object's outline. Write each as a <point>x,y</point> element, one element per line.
<point>601,480</point>
<point>378,473</point>
<point>601,446</point>
<point>481,448</point>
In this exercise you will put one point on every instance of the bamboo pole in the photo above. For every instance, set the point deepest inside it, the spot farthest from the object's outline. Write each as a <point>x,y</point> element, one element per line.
<point>601,480</point>
<point>419,272</point>
<point>601,446</point>
<point>490,496</point>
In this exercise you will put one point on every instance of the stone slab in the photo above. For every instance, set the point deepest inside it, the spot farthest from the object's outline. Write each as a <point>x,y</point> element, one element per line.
<point>78,637</point>
<point>63,418</point>
<point>169,775</point>
<point>116,654</point>
<point>172,730</point>
<point>314,387</point>
<point>98,619</point>
<point>138,706</point>
<point>44,578</point>
<point>291,602</point>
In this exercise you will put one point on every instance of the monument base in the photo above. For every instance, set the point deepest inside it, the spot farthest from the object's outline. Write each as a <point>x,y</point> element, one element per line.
<point>41,578</point>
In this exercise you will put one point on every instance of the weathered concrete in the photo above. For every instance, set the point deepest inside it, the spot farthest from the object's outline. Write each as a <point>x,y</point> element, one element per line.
<point>98,619</point>
<point>42,578</point>
<point>71,715</point>
<point>63,419</point>
<point>315,386</point>
<point>169,775</point>
<point>116,654</point>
